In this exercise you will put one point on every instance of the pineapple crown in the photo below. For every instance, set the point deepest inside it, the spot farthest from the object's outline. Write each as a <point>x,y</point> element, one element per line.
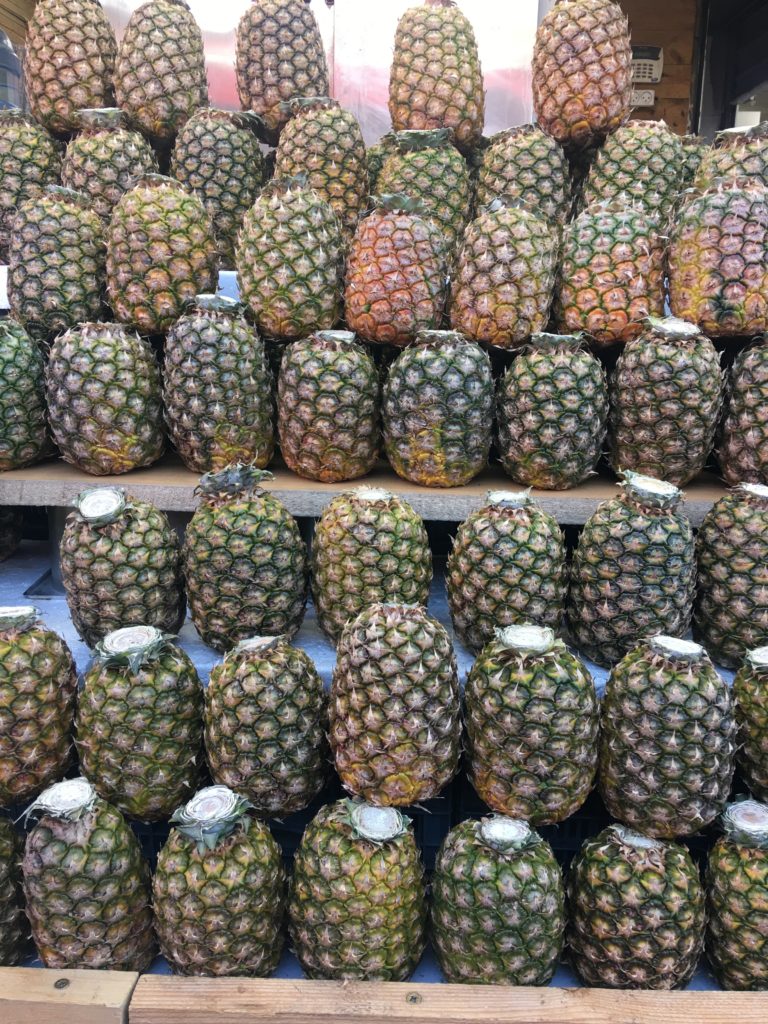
<point>236,478</point>
<point>675,649</point>
<point>132,647</point>
<point>440,339</point>
<point>644,847</point>
<point>757,659</point>
<point>255,645</point>
<point>396,202</point>
<point>542,341</point>
<point>506,835</point>
<point>414,141</point>
<point>745,822</point>
<point>18,618</point>
<point>99,119</point>
<point>70,800</point>
<point>336,339</point>
<point>370,494</point>
<point>648,492</point>
<point>211,302</point>
<point>378,825</point>
<point>101,505</point>
<point>673,328</point>
<point>510,499</point>
<point>528,640</point>
<point>211,815</point>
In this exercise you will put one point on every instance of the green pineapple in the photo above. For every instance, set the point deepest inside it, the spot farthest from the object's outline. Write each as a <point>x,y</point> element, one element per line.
<point>750,692</point>
<point>14,930</point>
<point>525,163</point>
<point>743,447</point>
<point>29,160</point>
<point>25,439</point>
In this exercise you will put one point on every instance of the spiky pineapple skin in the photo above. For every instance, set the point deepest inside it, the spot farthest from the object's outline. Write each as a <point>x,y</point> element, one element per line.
<point>730,615</point>
<point>497,917</point>
<point>25,439</point>
<point>435,79</point>
<point>104,400</point>
<point>29,160</point>
<point>744,156</point>
<point>750,693</point>
<point>14,930</point>
<point>69,61</point>
<point>636,915</point>
<point>502,289</point>
<point>219,912</point>
<point>582,58</point>
<point>718,274</point>
<point>217,391</point>
<point>394,706</point>
<point>743,443</point>
<point>149,282</point>
<point>552,416</point>
<point>366,552</point>
<point>87,888</point>
<point>56,263</point>
<point>666,397</point>
<point>507,565</point>
<point>218,158</point>
<point>356,908</point>
<point>160,77</point>
<point>526,163</point>
<point>126,572</point>
<point>38,684</point>
<point>437,410</point>
<point>266,717</point>
<point>328,409</point>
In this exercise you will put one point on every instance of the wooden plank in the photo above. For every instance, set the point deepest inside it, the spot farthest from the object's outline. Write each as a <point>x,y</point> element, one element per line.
<point>65,997</point>
<point>164,1000</point>
<point>171,487</point>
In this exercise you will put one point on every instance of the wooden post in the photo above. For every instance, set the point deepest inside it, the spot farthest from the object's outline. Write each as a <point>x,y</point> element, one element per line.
<point>167,1000</point>
<point>29,996</point>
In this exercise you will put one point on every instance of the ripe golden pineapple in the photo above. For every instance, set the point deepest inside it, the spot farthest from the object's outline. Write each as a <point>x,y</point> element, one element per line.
<point>743,447</point>
<point>69,61</point>
<point>29,160</point>
<point>526,163</point>
<point>582,67</point>
<point>160,253</point>
<point>436,80</point>
<point>160,78</point>
<point>396,279</point>
<point>279,57</point>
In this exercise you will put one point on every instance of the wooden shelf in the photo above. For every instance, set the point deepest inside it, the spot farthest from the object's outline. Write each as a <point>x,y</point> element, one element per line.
<point>171,487</point>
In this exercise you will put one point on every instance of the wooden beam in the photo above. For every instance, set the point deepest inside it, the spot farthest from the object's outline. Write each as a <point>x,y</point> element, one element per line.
<point>65,997</point>
<point>165,1000</point>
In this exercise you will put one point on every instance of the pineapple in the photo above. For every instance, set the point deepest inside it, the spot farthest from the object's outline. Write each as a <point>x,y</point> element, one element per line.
<point>217,388</point>
<point>427,167</point>
<point>357,906</point>
<point>636,912</point>
<point>160,252</point>
<point>325,143</point>
<point>730,615</point>
<point>502,288</point>
<point>279,56</point>
<point>14,929</point>
<point>743,451</point>
<point>531,715</point>
<point>436,80</point>
<point>718,260</point>
<point>507,566</point>
<point>667,739</point>
<point>244,560</point>
<point>328,407</point>
<point>738,153</point>
<point>219,889</point>
<point>612,273</point>
<point>552,412</point>
<point>217,156</point>
<point>750,692</point>
<point>666,393</point>
<point>396,283</point>
<point>266,717</point>
<point>139,723</point>
<point>38,683</point>
<point>290,261</point>
<point>104,158</point>
<point>57,262</point>
<point>369,547</point>
<point>737,898</point>
<point>437,410</point>
<point>120,565</point>
<point>29,160</point>
<point>104,401</point>
<point>69,61</point>
<point>498,906</point>
<point>375,155</point>
<point>86,883</point>
<point>395,729</point>
<point>633,570</point>
<point>24,439</point>
<point>643,161</point>
<point>694,150</point>
<point>525,163</point>
<point>11,523</point>
<point>160,78</point>
<point>582,72</point>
